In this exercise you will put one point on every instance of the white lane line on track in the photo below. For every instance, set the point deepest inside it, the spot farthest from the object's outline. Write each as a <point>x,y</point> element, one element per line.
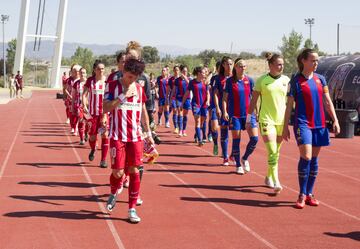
<point>4,164</point>
<point>110,224</point>
<point>223,211</point>
<point>293,190</point>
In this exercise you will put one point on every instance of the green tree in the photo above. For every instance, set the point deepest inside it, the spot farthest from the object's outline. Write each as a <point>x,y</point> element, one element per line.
<point>151,54</point>
<point>83,57</point>
<point>309,44</point>
<point>290,49</point>
<point>10,56</point>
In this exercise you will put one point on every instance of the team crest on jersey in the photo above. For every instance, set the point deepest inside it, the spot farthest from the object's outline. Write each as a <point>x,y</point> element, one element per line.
<point>318,81</point>
<point>141,82</point>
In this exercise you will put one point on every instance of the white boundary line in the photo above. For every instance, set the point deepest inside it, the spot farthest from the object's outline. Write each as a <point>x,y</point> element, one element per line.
<point>223,211</point>
<point>88,178</point>
<point>4,164</point>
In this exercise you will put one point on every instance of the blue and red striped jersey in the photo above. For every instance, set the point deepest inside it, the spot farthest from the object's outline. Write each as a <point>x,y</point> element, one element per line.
<point>308,95</point>
<point>239,96</point>
<point>180,88</point>
<point>171,83</point>
<point>199,90</point>
<point>220,82</point>
<point>162,83</point>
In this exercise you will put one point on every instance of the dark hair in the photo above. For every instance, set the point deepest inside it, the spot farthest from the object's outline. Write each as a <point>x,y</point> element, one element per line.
<point>271,58</point>
<point>197,70</point>
<point>134,66</point>
<point>222,69</point>
<point>182,67</point>
<point>176,66</point>
<point>304,55</point>
<point>119,56</point>
<point>96,63</point>
<point>217,66</point>
<point>234,75</point>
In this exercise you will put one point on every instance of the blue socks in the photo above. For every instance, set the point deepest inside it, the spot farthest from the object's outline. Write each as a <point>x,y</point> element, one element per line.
<point>175,120</point>
<point>185,122</point>
<point>312,175</point>
<point>198,133</point>
<point>203,128</point>
<point>236,150</point>
<point>303,174</point>
<point>215,135</point>
<point>181,123</point>
<point>166,114</point>
<point>224,142</point>
<point>250,147</point>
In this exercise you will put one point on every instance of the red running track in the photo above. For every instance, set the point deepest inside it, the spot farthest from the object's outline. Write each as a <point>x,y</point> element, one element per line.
<point>52,197</point>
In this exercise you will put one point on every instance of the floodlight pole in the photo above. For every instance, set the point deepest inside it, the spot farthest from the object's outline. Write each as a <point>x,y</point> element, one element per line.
<point>310,22</point>
<point>4,18</point>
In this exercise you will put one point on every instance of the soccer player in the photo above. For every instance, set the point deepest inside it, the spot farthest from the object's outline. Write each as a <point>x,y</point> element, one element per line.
<point>224,73</point>
<point>200,100</point>
<point>125,99</point>
<point>120,60</point>
<point>182,109</point>
<point>213,118</point>
<point>69,86</point>
<point>162,85</point>
<point>95,87</point>
<point>309,91</point>
<point>236,100</point>
<point>77,92</point>
<point>19,84</point>
<point>64,86</point>
<point>271,88</point>
<point>172,100</point>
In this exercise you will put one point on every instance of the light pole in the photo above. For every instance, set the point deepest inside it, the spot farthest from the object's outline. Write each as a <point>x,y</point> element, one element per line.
<point>4,18</point>
<point>310,22</point>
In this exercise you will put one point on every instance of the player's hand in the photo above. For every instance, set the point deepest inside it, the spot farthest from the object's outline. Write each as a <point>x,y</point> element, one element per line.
<point>286,133</point>
<point>150,140</point>
<point>336,127</point>
<point>218,112</point>
<point>226,116</point>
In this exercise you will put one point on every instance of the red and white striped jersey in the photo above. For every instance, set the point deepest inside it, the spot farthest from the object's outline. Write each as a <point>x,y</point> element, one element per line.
<point>125,118</point>
<point>78,89</point>
<point>96,95</point>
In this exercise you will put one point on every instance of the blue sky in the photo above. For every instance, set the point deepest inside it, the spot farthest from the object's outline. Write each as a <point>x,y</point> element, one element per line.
<point>250,25</point>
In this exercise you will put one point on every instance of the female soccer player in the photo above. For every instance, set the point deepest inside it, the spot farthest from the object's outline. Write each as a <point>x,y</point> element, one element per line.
<point>95,87</point>
<point>236,100</point>
<point>77,92</point>
<point>224,73</point>
<point>200,100</point>
<point>172,100</point>
<point>179,89</point>
<point>272,88</point>
<point>309,91</point>
<point>162,85</point>
<point>125,99</point>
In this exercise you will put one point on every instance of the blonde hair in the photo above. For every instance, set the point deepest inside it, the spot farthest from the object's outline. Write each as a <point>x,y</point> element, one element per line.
<point>134,46</point>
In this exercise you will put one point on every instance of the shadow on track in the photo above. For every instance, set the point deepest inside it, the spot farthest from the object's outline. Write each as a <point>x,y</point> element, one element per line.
<point>50,165</point>
<point>50,199</point>
<point>351,235</point>
<point>244,189</point>
<point>64,184</point>
<point>243,202</point>
<point>183,171</point>
<point>68,215</point>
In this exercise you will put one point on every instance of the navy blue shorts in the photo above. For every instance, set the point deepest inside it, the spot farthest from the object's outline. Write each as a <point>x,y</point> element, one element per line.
<point>162,101</point>
<point>316,137</point>
<point>173,103</point>
<point>237,124</point>
<point>223,122</point>
<point>200,111</point>
<point>187,104</point>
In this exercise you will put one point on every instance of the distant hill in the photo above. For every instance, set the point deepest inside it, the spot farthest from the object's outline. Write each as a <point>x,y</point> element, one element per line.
<point>47,48</point>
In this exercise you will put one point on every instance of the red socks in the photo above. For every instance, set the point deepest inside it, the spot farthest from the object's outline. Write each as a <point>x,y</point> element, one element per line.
<point>92,144</point>
<point>115,184</point>
<point>104,148</point>
<point>81,130</point>
<point>134,189</point>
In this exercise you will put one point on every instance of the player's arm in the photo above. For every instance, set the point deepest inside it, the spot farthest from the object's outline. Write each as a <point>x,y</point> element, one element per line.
<point>145,124</point>
<point>253,103</point>
<point>224,105</point>
<point>216,102</point>
<point>289,107</point>
<point>84,99</point>
<point>208,96</point>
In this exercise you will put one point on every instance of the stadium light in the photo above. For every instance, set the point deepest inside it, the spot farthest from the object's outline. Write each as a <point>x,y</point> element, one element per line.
<point>4,18</point>
<point>310,22</point>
